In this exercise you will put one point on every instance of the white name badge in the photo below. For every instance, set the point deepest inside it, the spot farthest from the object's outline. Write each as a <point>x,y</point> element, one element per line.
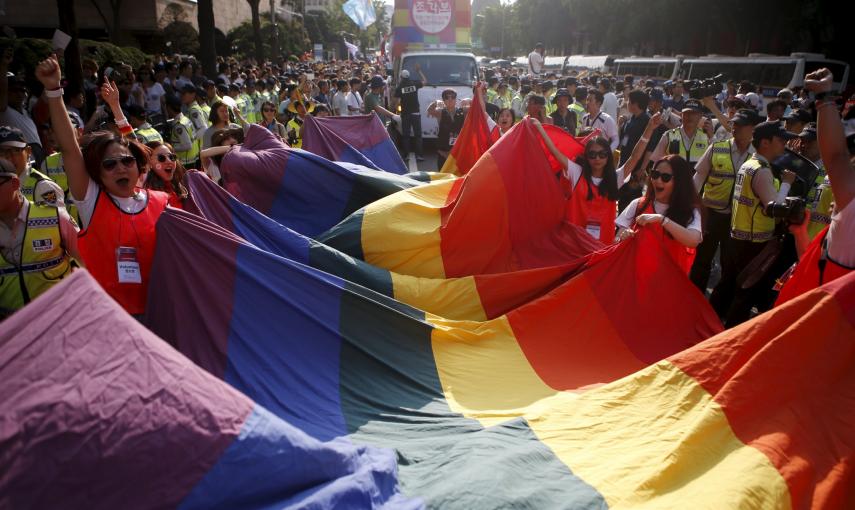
<point>127,265</point>
<point>593,230</point>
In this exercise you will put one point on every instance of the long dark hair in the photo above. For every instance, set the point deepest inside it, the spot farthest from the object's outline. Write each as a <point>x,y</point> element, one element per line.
<point>608,187</point>
<point>684,200</point>
<point>153,181</point>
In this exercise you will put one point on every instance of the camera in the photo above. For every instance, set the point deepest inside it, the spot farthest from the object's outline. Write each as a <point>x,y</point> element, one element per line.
<point>791,211</point>
<point>699,89</point>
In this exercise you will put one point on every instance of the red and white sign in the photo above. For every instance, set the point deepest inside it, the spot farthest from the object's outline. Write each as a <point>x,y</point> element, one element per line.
<point>432,16</point>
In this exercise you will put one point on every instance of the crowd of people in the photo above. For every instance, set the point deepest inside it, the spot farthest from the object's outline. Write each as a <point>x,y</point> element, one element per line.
<point>85,173</point>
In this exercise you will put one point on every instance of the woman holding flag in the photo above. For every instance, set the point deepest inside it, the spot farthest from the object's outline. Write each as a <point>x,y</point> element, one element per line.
<point>670,207</point>
<point>593,183</point>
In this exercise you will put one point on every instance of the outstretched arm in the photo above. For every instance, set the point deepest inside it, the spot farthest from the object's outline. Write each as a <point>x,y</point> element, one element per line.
<point>549,145</point>
<point>49,74</point>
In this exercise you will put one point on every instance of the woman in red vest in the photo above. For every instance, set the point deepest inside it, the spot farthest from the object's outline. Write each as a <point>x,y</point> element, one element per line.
<point>591,183</point>
<point>166,173</point>
<point>117,236</point>
<point>670,207</point>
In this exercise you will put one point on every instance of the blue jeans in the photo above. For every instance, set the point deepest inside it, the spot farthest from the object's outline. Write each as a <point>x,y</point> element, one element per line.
<point>411,121</point>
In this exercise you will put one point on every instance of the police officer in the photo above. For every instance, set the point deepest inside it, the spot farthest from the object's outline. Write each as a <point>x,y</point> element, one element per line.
<point>688,140</point>
<point>563,116</point>
<point>191,109</point>
<point>407,94</point>
<point>37,242</point>
<point>715,179</point>
<point>820,198</point>
<point>35,186</point>
<point>182,135</point>
<point>138,119</point>
<point>451,120</point>
<point>751,229</point>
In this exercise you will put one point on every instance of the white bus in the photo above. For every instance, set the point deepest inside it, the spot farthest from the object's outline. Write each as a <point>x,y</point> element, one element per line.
<point>659,69</point>
<point>771,73</point>
<point>598,63</point>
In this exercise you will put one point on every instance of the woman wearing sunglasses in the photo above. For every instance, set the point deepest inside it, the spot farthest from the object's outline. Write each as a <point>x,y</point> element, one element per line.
<point>117,218</point>
<point>593,184</point>
<point>268,120</point>
<point>671,207</point>
<point>166,173</point>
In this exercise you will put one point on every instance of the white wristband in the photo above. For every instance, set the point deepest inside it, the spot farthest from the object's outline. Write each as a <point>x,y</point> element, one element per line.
<point>54,93</point>
<point>665,221</point>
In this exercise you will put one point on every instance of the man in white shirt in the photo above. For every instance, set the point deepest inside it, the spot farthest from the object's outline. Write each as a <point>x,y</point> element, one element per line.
<point>610,102</point>
<point>595,118</point>
<point>339,103</point>
<point>535,60</point>
<point>354,98</point>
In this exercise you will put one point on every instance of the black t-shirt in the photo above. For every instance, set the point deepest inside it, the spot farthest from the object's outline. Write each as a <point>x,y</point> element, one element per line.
<point>407,92</point>
<point>449,128</point>
<point>567,123</point>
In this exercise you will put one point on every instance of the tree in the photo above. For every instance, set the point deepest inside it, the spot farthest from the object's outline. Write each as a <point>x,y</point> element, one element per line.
<point>207,49</point>
<point>114,28</point>
<point>293,38</point>
<point>182,37</point>
<point>256,30</point>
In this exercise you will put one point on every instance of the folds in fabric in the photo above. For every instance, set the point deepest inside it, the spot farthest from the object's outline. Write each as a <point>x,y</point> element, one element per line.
<point>505,215</point>
<point>359,139</point>
<point>461,402</point>
<point>97,412</point>
<point>299,189</point>
<point>472,142</point>
<point>476,297</point>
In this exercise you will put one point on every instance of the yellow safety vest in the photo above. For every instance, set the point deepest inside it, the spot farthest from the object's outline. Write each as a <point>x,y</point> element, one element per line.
<point>28,186</point>
<point>206,108</point>
<point>294,125</point>
<point>56,172</point>
<point>748,223</point>
<point>190,156</point>
<point>819,206</point>
<point>718,189</point>
<point>580,112</point>
<point>693,153</point>
<point>247,108</point>
<point>44,261</point>
<point>146,135</point>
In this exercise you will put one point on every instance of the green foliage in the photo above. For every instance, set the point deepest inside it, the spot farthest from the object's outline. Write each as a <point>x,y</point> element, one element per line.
<point>292,38</point>
<point>665,27</point>
<point>330,26</point>
<point>29,52</point>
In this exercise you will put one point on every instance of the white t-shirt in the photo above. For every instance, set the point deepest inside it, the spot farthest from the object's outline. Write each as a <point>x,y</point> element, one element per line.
<point>841,236</point>
<point>627,217</point>
<point>86,207</point>
<point>573,172</point>
<point>354,100</point>
<point>610,104</point>
<point>340,104</point>
<point>535,63</point>
<point>152,98</point>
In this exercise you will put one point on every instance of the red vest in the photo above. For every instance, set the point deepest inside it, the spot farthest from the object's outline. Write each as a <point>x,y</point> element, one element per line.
<point>598,213</point>
<point>111,228</point>
<point>814,269</point>
<point>682,255</point>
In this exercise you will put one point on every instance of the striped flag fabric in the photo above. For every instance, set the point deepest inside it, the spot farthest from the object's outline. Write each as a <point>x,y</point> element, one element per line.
<point>472,142</point>
<point>359,139</point>
<point>506,214</point>
<point>97,412</point>
<point>299,189</point>
<point>590,395</point>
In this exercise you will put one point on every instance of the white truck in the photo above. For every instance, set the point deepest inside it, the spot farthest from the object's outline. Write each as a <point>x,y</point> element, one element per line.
<point>442,70</point>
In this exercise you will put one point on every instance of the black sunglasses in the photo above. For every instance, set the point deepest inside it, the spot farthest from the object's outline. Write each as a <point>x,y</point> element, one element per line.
<point>110,163</point>
<point>162,157</point>
<point>656,174</point>
<point>597,154</point>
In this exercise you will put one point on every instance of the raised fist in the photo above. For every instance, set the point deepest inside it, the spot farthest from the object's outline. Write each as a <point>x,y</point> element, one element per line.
<point>49,73</point>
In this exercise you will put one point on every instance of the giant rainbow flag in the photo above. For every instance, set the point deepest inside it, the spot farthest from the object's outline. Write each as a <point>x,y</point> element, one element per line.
<point>359,139</point>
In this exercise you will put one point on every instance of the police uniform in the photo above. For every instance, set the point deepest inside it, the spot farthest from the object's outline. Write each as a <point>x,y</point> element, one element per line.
<point>147,134</point>
<point>40,263</point>
<point>696,147</point>
<point>295,125</point>
<point>198,119</point>
<point>721,166</point>
<point>55,170</point>
<point>182,134</point>
<point>750,232</point>
<point>819,204</point>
